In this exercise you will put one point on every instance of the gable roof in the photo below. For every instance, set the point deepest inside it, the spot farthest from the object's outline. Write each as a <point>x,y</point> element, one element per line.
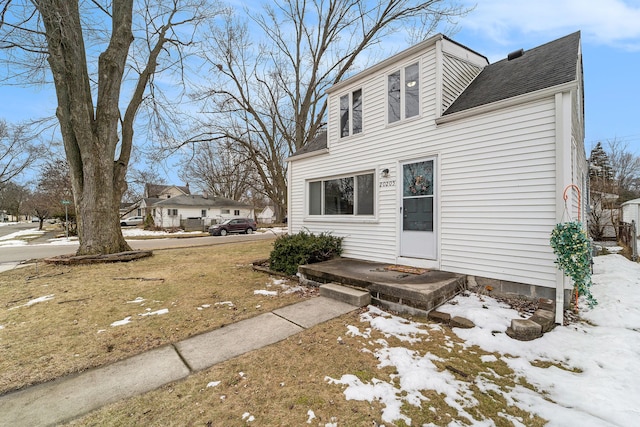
<point>200,201</point>
<point>545,66</point>
<point>154,190</point>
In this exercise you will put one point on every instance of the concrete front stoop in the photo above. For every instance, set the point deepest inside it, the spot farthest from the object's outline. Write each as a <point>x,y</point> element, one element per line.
<point>397,288</point>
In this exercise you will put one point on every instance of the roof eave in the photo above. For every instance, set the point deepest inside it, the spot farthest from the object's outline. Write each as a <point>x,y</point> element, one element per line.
<point>308,154</point>
<point>398,57</point>
<point>508,102</point>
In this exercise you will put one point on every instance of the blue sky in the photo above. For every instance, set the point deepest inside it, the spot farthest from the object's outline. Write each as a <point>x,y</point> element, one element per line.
<point>611,58</point>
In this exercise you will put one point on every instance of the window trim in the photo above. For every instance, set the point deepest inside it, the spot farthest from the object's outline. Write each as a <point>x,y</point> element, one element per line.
<point>355,215</point>
<point>350,117</point>
<point>403,93</point>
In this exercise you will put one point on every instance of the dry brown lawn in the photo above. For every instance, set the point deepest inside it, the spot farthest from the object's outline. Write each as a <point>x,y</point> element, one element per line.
<point>56,320</point>
<point>204,288</point>
<point>279,385</point>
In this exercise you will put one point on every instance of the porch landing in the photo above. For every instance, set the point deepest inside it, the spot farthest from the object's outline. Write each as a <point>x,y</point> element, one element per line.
<point>398,288</point>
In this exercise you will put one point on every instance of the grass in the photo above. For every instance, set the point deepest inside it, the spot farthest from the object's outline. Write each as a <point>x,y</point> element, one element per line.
<point>71,332</point>
<point>279,384</point>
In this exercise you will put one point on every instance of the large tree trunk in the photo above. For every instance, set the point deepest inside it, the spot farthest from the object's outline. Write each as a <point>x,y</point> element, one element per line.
<point>90,135</point>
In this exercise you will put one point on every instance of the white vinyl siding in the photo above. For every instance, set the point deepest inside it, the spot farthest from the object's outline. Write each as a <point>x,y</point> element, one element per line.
<point>496,198</point>
<point>457,74</point>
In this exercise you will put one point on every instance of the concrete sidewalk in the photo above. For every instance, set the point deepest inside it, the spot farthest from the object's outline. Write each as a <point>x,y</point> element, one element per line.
<point>70,397</point>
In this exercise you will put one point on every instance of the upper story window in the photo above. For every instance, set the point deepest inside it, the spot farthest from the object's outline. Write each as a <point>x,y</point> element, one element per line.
<point>351,113</point>
<point>350,195</point>
<point>403,93</point>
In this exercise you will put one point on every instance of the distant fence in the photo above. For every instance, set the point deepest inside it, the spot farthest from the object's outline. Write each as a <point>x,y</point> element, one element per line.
<point>628,235</point>
<point>193,224</point>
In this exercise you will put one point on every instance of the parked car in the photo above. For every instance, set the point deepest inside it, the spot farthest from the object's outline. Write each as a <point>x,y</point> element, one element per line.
<point>132,220</point>
<point>235,225</point>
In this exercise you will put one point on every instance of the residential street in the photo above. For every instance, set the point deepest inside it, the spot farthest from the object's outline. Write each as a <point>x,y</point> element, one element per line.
<point>16,254</point>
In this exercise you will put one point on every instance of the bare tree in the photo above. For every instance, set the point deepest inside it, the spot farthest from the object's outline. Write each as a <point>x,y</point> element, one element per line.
<point>221,171</point>
<point>269,99</point>
<point>17,151</point>
<point>96,54</point>
<point>13,197</point>
<point>625,167</point>
<point>136,180</point>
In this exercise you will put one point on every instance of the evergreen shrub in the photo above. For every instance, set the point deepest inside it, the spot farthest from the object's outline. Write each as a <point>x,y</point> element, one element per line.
<point>290,251</point>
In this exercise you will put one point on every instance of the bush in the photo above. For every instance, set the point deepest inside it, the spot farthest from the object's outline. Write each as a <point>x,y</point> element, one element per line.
<point>290,251</point>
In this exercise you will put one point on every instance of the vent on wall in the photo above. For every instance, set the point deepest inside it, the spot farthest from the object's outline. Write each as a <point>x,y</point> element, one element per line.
<point>516,54</point>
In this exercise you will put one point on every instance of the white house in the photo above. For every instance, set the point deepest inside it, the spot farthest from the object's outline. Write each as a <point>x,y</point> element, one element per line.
<point>267,215</point>
<point>435,158</point>
<point>169,212</point>
<point>631,212</point>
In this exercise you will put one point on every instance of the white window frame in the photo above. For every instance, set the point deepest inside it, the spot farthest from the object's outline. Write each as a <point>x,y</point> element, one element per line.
<point>356,206</point>
<point>403,93</point>
<point>350,129</point>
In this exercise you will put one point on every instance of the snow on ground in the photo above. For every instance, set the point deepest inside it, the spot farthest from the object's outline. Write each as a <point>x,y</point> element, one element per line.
<point>19,238</point>
<point>34,301</point>
<point>599,386</point>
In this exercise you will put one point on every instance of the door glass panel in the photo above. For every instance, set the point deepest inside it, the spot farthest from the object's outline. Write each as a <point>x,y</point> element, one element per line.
<point>418,179</point>
<point>418,214</point>
<point>417,192</point>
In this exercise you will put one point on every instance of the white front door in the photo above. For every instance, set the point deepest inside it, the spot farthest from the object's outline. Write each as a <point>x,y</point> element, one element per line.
<point>418,237</point>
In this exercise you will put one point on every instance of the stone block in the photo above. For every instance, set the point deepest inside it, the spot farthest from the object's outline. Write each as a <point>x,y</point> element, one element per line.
<point>547,304</point>
<point>545,318</point>
<point>345,294</point>
<point>524,330</point>
<point>440,317</point>
<point>461,322</point>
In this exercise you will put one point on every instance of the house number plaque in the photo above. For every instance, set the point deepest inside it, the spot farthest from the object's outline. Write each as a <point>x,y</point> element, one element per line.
<point>389,183</point>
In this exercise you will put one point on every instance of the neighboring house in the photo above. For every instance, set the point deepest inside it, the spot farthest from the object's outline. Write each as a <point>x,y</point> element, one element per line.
<point>169,212</point>
<point>434,158</point>
<point>128,209</point>
<point>267,215</point>
<point>156,192</point>
<point>631,212</point>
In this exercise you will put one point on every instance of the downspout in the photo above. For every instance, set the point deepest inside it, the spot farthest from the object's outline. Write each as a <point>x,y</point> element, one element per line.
<point>289,185</point>
<point>563,179</point>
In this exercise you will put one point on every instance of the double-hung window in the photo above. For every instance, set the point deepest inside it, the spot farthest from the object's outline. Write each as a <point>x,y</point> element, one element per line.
<point>349,195</point>
<point>403,89</point>
<point>351,113</point>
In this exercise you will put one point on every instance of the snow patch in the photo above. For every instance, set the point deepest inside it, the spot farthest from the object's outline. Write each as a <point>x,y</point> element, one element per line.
<point>265,292</point>
<point>154,313</point>
<point>122,322</point>
<point>34,301</point>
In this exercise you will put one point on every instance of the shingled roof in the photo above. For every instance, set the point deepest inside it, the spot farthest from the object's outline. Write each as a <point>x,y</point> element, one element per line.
<point>545,66</point>
<point>154,190</point>
<point>317,143</point>
<point>198,200</point>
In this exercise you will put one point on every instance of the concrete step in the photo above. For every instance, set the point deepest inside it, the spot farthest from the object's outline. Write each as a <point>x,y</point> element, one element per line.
<point>345,294</point>
<point>390,288</point>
